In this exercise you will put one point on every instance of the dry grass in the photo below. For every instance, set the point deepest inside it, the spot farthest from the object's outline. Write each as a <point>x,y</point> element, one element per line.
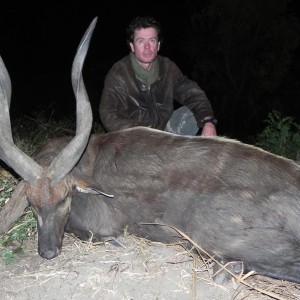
<point>137,270</point>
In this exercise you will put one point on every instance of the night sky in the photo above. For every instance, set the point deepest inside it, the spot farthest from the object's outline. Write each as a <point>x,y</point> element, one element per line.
<point>38,44</point>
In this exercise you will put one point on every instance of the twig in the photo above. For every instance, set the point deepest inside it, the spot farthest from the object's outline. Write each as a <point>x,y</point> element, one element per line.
<point>241,280</point>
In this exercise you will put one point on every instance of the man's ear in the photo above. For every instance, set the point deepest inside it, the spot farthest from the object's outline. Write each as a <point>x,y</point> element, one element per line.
<point>131,47</point>
<point>158,47</point>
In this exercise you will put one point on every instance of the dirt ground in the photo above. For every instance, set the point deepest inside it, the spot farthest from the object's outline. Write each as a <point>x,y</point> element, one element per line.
<point>137,270</point>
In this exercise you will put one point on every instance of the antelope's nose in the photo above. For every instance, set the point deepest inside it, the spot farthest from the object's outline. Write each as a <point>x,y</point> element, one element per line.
<point>49,254</point>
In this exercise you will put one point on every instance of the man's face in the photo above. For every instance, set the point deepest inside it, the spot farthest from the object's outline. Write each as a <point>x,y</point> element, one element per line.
<point>145,46</point>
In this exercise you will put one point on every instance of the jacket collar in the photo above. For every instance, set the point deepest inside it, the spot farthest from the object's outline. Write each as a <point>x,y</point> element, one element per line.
<point>145,76</point>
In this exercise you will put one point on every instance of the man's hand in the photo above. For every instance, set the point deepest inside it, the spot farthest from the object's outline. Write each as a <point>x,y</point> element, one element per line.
<point>209,129</point>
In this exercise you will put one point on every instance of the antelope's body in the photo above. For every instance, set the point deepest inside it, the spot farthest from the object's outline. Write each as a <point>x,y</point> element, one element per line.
<point>237,201</point>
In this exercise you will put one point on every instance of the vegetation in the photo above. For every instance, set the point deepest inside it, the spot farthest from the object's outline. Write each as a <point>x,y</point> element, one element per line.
<point>23,228</point>
<point>243,55</point>
<point>281,136</point>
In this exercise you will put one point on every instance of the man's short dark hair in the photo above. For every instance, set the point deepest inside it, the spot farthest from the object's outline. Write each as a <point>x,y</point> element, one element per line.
<point>142,22</point>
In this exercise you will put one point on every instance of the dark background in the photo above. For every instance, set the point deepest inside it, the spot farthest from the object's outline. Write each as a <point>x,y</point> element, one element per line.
<point>240,52</point>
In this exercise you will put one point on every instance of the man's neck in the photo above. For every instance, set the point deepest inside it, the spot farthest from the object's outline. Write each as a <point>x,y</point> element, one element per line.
<point>146,66</point>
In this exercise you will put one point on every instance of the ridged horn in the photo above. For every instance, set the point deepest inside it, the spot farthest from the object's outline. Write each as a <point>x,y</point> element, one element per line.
<point>63,163</point>
<point>19,161</point>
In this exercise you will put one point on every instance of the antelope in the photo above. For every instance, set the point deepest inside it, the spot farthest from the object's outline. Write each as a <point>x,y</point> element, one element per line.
<point>237,201</point>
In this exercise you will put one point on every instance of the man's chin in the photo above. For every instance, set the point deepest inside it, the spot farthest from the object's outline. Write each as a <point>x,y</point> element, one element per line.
<point>148,59</point>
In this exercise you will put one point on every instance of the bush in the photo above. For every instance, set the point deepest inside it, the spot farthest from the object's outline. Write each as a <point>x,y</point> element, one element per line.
<point>281,136</point>
<point>30,132</point>
<point>23,229</point>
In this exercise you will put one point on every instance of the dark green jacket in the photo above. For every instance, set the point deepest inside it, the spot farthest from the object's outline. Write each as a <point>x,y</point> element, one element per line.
<point>127,102</point>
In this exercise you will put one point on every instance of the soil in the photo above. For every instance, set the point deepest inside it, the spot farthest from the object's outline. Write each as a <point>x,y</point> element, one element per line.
<point>137,270</point>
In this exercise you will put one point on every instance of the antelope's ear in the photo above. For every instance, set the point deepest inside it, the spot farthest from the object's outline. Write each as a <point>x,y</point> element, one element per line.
<point>89,186</point>
<point>93,191</point>
<point>14,207</point>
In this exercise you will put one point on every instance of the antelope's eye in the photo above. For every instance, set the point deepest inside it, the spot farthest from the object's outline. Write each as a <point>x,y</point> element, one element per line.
<point>64,203</point>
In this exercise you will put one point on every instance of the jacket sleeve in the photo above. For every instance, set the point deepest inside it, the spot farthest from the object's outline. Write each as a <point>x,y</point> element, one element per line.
<point>112,103</point>
<point>187,92</point>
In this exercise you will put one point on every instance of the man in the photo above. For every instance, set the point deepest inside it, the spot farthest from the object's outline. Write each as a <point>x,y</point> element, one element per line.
<point>140,89</point>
